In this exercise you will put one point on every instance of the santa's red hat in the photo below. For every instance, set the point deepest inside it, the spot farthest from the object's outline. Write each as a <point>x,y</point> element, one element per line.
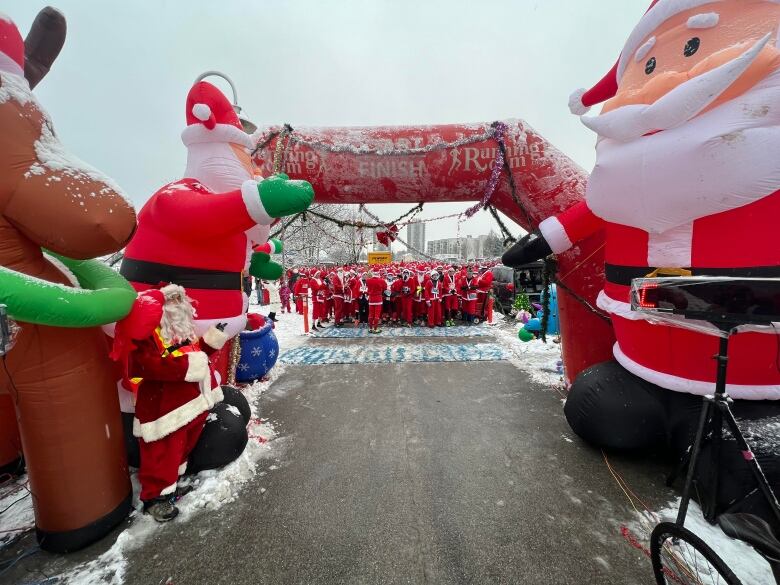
<point>211,118</point>
<point>659,12</point>
<point>11,47</point>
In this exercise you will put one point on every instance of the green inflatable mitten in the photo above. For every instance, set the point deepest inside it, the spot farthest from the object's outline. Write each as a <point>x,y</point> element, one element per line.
<point>282,197</point>
<point>525,335</point>
<point>261,267</point>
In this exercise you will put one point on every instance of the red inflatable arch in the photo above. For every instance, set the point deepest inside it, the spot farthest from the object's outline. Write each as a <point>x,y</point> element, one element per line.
<point>436,164</point>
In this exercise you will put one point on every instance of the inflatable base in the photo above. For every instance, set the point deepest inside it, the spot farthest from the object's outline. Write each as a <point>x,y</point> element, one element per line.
<point>13,468</point>
<point>73,540</point>
<point>611,408</point>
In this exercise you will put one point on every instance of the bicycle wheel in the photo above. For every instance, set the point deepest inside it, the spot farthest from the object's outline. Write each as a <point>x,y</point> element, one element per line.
<point>681,558</point>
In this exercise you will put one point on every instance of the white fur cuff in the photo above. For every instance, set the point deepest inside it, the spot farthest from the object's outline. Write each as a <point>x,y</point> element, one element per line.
<point>555,234</point>
<point>254,206</point>
<point>198,367</point>
<point>215,338</point>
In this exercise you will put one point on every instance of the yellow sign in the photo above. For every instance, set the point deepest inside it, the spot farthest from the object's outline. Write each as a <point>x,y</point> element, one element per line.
<point>380,258</point>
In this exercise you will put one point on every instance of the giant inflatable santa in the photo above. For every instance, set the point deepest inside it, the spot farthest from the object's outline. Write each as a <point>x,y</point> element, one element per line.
<point>199,232</point>
<point>686,181</point>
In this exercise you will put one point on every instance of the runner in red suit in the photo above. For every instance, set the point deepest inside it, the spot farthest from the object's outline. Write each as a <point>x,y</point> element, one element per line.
<point>336,290</point>
<point>433,299</point>
<point>376,291</point>
<point>468,288</point>
<point>449,297</point>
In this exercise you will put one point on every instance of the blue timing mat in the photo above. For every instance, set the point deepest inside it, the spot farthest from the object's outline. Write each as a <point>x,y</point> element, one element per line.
<point>395,354</point>
<point>349,332</point>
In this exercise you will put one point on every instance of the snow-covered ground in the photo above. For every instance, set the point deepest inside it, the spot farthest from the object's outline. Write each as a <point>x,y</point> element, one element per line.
<point>539,359</point>
<point>746,563</point>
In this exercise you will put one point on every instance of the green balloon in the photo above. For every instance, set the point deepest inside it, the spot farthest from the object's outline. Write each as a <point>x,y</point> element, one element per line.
<point>525,335</point>
<point>104,297</point>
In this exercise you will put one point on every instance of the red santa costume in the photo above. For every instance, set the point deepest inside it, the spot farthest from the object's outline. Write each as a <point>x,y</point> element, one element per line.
<point>449,295</point>
<point>433,299</point>
<point>336,288</point>
<point>376,288</point>
<point>176,388</point>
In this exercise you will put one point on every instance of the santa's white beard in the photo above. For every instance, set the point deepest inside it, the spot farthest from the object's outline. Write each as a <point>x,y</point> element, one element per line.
<point>215,165</point>
<point>178,322</point>
<point>718,161</point>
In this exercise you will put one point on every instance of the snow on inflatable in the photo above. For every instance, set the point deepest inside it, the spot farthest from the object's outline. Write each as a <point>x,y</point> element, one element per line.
<point>55,213</point>
<point>686,182</point>
<point>203,232</point>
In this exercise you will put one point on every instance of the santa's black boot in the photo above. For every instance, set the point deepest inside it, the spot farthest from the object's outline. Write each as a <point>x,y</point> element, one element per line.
<point>161,509</point>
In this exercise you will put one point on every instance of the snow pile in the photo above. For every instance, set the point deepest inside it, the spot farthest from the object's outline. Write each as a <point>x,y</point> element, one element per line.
<point>213,489</point>
<point>746,563</point>
<point>16,509</point>
<point>540,360</point>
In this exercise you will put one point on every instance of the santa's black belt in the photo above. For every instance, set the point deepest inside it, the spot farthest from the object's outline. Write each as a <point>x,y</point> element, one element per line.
<point>154,274</point>
<point>623,275</point>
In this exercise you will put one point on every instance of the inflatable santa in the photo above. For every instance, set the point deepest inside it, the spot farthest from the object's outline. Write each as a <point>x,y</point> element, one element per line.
<point>199,232</point>
<point>686,182</point>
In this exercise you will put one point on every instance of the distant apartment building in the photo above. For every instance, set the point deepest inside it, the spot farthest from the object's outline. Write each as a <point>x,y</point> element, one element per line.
<point>468,248</point>
<point>415,236</point>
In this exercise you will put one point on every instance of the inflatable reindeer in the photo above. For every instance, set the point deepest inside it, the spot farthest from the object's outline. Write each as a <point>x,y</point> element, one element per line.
<point>57,382</point>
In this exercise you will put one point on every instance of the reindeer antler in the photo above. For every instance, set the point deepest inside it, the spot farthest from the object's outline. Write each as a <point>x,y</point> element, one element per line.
<point>43,43</point>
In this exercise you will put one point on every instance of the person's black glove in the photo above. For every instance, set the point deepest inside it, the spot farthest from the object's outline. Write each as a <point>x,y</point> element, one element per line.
<point>529,249</point>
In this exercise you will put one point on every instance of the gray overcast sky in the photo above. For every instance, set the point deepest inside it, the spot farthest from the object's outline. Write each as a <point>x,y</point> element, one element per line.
<point>117,91</point>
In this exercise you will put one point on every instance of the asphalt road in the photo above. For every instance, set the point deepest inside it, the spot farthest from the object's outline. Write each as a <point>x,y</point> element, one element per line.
<point>414,473</point>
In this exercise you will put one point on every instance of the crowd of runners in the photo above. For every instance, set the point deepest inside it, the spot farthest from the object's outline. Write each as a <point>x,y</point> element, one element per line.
<point>400,294</point>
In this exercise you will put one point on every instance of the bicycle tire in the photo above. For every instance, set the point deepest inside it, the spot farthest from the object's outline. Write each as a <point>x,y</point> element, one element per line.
<point>668,530</point>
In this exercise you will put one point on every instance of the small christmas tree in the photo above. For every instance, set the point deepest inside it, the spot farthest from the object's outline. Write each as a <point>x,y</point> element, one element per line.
<point>523,303</point>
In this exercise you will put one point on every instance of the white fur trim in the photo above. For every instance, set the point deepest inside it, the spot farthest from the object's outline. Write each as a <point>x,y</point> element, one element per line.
<point>672,247</point>
<point>705,20</point>
<point>642,51</point>
<point>8,65</point>
<point>254,206</point>
<point>201,111</point>
<point>183,468</point>
<point>198,367</point>
<point>697,387</point>
<point>555,234</point>
<point>660,13</point>
<point>197,133</point>
<point>215,338</point>
<point>168,490</point>
<point>162,427</point>
<point>213,396</point>
<point>576,106</point>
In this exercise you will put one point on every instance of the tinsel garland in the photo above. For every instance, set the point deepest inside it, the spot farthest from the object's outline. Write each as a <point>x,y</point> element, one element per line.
<point>499,129</point>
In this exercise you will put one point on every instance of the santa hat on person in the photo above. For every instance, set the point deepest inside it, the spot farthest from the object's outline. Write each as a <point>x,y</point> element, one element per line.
<point>11,47</point>
<point>659,12</point>
<point>211,118</point>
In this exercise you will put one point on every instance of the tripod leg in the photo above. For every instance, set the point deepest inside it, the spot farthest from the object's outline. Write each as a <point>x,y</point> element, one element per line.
<point>695,450</point>
<point>710,511</point>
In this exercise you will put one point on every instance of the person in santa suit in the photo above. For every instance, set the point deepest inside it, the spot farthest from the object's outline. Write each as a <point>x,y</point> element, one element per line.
<point>301,291</point>
<point>449,297</point>
<point>468,289</point>
<point>484,288</point>
<point>361,293</point>
<point>319,297</point>
<point>375,287</point>
<point>420,310</point>
<point>195,232</point>
<point>336,290</point>
<point>406,288</point>
<point>667,185</point>
<point>176,387</point>
<point>433,299</point>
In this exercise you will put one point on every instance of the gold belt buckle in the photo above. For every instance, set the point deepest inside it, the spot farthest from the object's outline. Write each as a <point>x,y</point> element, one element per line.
<point>668,272</point>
